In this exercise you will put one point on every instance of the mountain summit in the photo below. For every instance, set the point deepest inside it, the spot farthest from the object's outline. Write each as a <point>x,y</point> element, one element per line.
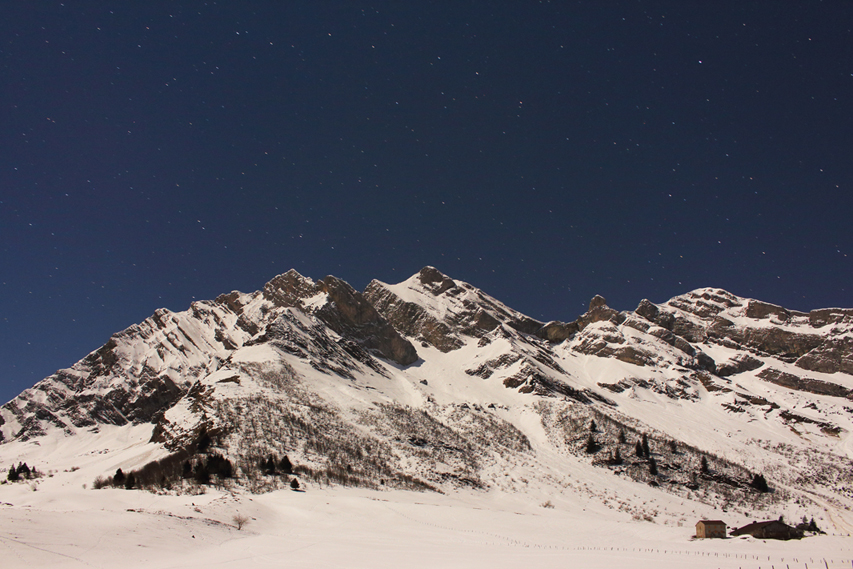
<point>433,384</point>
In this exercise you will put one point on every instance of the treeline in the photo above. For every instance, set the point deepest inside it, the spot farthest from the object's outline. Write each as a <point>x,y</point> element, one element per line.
<point>197,465</point>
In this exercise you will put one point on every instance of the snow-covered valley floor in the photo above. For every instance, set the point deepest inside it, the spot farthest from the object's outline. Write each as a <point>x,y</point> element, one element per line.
<point>60,526</point>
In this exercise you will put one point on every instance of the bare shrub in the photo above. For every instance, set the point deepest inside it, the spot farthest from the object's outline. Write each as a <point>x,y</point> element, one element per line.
<point>240,520</point>
<point>102,482</point>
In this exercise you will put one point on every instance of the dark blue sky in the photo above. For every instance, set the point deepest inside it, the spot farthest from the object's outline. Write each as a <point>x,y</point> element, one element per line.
<point>160,152</point>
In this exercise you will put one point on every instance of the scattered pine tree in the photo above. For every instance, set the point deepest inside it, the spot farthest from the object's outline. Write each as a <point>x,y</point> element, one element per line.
<point>759,483</point>
<point>204,440</point>
<point>591,446</point>
<point>23,470</point>
<point>220,466</point>
<point>200,473</point>
<point>617,457</point>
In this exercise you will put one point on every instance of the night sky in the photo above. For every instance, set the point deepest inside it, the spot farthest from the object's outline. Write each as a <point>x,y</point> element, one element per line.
<point>155,153</point>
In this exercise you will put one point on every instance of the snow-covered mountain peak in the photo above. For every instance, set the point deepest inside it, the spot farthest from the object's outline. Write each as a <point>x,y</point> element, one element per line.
<point>331,376</point>
<point>440,311</point>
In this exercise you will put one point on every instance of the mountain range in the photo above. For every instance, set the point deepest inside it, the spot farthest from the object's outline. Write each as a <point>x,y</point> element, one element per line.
<point>431,384</point>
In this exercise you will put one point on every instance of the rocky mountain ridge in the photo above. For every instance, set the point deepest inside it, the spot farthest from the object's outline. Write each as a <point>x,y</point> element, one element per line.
<point>432,383</point>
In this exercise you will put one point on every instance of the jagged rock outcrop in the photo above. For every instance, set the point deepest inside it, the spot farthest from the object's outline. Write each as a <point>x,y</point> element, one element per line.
<point>412,319</point>
<point>435,309</point>
<point>133,378</point>
<point>349,314</point>
<point>556,331</point>
<point>344,310</point>
<point>739,364</point>
<point>830,356</point>
<point>717,316</point>
<point>807,384</point>
<point>144,370</point>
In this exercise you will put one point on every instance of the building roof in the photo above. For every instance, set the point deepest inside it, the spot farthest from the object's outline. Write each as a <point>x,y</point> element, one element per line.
<point>754,526</point>
<point>708,522</point>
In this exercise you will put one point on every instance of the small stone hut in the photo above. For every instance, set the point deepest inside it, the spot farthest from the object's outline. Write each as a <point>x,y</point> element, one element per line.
<point>710,528</point>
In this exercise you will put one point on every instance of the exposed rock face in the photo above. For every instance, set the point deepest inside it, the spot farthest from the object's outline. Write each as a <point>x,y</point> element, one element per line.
<point>289,289</point>
<point>345,311</point>
<point>556,331</point>
<point>810,385</point>
<point>113,385</point>
<point>145,369</point>
<point>831,356</point>
<point>759,327</point>
<point>411,319</point>
<point>351,315</point>
<point>434,308</point>
<point>739,364</point>
<point>599,312</point>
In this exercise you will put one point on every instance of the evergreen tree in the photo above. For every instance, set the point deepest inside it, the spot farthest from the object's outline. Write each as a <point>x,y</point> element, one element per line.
<point>593,428</point>
<point>294,484</point>
<point>285,465</point>
<point>591,445</point>
<point>617,457</point>
<point>703,466</point>
<point>621,436</point>
<point>653,466</point>
<point>220,466</point>
<point>118,479</point>
<point>23,470</point>
<point>204,440</point>
<point>13,474</point>
<point>813,527</point>
<point>201,474</point>
<point>268,465</point>
<point>638,449</point>
<point>646,451</point>
<point>129,481</point>
<point>759,483</point>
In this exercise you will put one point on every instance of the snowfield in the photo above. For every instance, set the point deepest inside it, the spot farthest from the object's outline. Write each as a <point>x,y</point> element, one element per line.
<point>62,526</point>
<point>59,521</point>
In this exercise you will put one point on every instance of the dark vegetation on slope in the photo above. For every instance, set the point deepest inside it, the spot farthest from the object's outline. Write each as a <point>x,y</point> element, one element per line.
<point>653,458</point>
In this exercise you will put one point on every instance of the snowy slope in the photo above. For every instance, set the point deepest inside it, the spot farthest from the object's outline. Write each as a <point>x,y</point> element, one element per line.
<point>432,385</point>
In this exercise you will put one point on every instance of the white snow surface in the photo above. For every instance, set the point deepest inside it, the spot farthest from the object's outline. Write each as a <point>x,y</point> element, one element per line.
<point>55,522</point>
